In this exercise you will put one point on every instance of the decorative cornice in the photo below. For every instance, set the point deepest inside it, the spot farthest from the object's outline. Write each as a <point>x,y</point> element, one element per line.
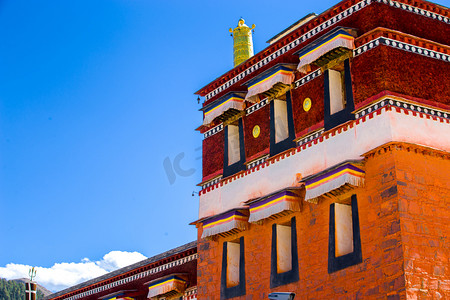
<point>257,106</point>
<point>401,37</point>
<point>211,182</point>
<point>408,147</point>
<point>416,10</point>
<point>406,106</point>
<point>436,54</point>
<point>213,131</point>
<point>257,161</point>
<point>307,78</point>
<point>310,137</point>
<point>190,294</point>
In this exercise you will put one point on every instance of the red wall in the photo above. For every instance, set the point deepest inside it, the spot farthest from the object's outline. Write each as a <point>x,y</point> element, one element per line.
<point>417,76</point>
<point>386,68</point>
<point>381,15</point>
<point>253,145</point>
<point>369,73</point>
<point>212,156</point>
<point>314,90</point>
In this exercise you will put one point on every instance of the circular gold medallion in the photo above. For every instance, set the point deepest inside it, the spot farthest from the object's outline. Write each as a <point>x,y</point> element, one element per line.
<point>307,104</point>
<point>256,131</point>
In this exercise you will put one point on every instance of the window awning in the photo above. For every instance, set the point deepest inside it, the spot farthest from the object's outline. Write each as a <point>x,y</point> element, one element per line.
<point>279,74</point>
<point>226,223</point>
<point>265,207</point>
<point>171,285</point>
<point>231,101</point>
<point>337,39</point>
<point>347,174</point>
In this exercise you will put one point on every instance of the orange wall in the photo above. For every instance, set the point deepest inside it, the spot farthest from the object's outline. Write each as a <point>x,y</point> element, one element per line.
<point>424,206</point>
<point>402,226</point>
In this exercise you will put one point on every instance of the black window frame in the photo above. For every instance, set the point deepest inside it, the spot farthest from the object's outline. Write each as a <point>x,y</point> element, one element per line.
<point>238,166</point>
<point>238,290</point>
<point>341,262</point>
<point>288,143</point>
<point>279,279</point>
<point>342,116</point>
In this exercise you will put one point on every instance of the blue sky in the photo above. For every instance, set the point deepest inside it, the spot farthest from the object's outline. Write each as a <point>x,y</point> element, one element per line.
<point>94,97</point>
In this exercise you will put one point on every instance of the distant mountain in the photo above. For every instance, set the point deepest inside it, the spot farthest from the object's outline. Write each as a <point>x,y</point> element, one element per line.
<point>39,287</point>
<point>15,289</point>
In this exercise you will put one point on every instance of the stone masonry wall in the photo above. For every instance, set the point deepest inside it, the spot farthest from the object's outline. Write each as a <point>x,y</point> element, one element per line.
<point>403,215</point>
<point>424,206</point>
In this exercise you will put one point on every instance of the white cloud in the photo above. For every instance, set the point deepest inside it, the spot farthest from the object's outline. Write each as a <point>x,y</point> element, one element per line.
<point>118,259</point>
<point>64,275</point>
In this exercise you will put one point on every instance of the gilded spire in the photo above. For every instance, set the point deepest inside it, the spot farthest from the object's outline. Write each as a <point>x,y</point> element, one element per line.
<point>243,42</point>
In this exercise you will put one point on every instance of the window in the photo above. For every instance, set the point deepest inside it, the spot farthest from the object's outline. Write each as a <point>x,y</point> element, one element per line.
<point>233,258</point>
<point>338,94</point>
<point>337,91</point>
<point>233,269</point>
<point>281,124</point>
<point>284,258</point>
<point>281,120</point>
<point>234,152</point>
<point>343,229</point>
<point>284,248</point>
<point>344,244</point>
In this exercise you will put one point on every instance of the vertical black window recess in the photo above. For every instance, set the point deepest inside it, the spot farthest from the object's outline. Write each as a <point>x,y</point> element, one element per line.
<point>282,133</point>
<point>338,95</point>
<point>344,244</point>
<point>284,257</point>
<point>233,269</point>
<point>234,152</point>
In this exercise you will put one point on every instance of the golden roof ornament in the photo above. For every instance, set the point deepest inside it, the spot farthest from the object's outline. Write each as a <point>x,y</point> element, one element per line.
<point>243,42</point>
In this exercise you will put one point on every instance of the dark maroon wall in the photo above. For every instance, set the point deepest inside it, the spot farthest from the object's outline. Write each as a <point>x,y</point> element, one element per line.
<point>213,154</point>
<point>261,118</point>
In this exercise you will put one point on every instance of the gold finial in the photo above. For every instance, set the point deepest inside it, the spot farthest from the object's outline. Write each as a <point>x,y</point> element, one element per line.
<point>243,42</point>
